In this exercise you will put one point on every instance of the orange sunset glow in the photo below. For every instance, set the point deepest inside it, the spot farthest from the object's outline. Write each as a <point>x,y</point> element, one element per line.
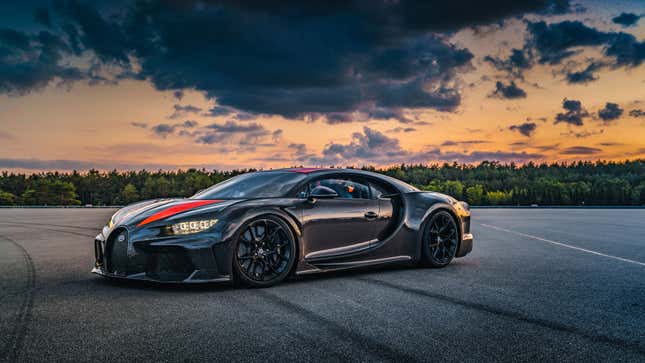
<point>148,110</point>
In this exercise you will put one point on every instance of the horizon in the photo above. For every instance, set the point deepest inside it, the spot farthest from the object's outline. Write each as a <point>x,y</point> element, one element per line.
<point>89,85</point>
<point>431,165</point>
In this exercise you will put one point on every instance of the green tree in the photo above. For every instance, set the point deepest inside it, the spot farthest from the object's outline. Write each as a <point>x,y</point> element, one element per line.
<point>7,198</point>
<point>129,194</point>
<point>475,194</point>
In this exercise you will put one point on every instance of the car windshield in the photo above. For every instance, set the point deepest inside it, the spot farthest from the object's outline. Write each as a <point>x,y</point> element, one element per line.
<point>253,185</point>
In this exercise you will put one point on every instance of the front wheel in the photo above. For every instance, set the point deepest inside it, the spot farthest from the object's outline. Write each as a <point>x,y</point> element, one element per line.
<point>440,239</point>
<point>265,251</point>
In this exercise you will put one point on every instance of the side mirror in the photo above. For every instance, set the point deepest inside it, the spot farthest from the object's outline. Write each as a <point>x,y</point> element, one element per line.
<point>322,192</point>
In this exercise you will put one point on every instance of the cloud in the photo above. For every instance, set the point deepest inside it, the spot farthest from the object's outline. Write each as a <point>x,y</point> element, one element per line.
<point>637,113</point>
<point>189,124</point>
<point>510,91</point>
<point>574,113</point>
<point>163,129</point>
<point>580,150</point>
<point>181,111</point>
<point>67,164</point>
<point>557,41</point>
<point>31,61</point>
<point>610,112</point>
<point>526,129</point>
<point>245,134</point>
<point>626,19</point>
<point>374,147</point>
<point>42,17</point>
<point>582,134</point>
<point>626,50</point>
<point>255,58</point>
<point>553,42</point>
<point>141,125</point>
<point>515,65</point>
<point>584,76</point>
<point>232,127</point>
<point>402,129</point>
<point>178,95</point>
<point>464,142</point>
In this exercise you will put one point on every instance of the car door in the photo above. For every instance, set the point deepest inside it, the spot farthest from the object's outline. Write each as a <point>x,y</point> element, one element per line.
<point>343,222</point>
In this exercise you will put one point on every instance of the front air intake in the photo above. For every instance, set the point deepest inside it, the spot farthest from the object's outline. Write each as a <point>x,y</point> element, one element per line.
<point>117,252</point>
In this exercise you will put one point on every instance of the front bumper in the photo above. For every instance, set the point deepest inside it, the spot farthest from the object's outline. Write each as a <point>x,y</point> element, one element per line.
<point>142,276</point>
<point>172,260</point>
<point>466,245</point>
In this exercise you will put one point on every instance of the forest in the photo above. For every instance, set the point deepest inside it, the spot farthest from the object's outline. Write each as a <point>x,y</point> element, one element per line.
<point>587,183</point>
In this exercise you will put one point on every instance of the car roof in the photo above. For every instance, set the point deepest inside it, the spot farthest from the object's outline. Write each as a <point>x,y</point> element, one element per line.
<point>399,184</point>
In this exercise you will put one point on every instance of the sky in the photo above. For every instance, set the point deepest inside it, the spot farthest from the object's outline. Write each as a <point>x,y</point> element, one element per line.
<point>130,85</point>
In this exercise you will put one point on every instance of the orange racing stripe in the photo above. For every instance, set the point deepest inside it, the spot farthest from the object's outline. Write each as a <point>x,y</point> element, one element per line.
<point>176,209</point>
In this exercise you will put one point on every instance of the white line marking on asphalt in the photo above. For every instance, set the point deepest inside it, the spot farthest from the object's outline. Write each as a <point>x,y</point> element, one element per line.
<point>564,245</point>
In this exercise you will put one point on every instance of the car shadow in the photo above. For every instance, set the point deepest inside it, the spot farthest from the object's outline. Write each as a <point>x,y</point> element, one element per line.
<point>227,286</point>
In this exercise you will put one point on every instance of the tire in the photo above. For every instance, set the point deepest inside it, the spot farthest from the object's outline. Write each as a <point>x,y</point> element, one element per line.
<point>440,239</point>
<point>262,259</point>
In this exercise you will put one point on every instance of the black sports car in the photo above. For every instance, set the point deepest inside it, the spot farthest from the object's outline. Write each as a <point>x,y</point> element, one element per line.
<point>258,228</point>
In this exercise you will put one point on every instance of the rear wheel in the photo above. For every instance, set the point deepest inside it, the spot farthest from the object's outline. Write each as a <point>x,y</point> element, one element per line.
<point>440,239</point>
<point>265,251</point>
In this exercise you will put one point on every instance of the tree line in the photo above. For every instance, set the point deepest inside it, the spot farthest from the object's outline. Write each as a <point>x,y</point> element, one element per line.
<point>486,183</point>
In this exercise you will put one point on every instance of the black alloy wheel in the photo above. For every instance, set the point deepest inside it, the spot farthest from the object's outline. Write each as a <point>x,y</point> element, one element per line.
<point>265,252</point>
<point>440,239</point>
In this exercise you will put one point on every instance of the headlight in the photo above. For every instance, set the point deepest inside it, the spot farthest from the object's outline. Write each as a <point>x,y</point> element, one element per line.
<point>189,227</point>
<point>465,205</point>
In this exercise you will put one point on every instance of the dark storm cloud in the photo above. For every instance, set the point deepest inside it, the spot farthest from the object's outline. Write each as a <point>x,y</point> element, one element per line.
<point>141,125</point>
<point>637,113</point>
<point>580,150</point>
<point>31,61</point>
<point>526,129</point>
<point>610,112</point>
<point>41,16</point>
<point>626,19</point>
<point>107,39</point>
<point>574,113</point>
<point>293,59</point>
<point>553,42</point>
<point>626,50</point>
<point>510,91</point>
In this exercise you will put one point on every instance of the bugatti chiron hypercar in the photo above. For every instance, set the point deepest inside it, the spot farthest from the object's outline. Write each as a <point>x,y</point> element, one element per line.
<point>258,228</point>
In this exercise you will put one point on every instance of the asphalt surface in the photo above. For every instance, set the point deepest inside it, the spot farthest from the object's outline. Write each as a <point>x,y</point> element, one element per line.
<point>540,284</point>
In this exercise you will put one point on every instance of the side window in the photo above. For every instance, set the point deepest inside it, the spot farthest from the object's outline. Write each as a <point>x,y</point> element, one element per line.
<point>346,188</point>
<point>376,190</point>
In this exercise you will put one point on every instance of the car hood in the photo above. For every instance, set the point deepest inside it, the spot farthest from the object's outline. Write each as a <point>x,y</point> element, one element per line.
<point>157,211</point>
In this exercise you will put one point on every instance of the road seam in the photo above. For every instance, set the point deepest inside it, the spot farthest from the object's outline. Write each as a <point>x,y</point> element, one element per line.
<point>25,311</point>
<point>565,245</point>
